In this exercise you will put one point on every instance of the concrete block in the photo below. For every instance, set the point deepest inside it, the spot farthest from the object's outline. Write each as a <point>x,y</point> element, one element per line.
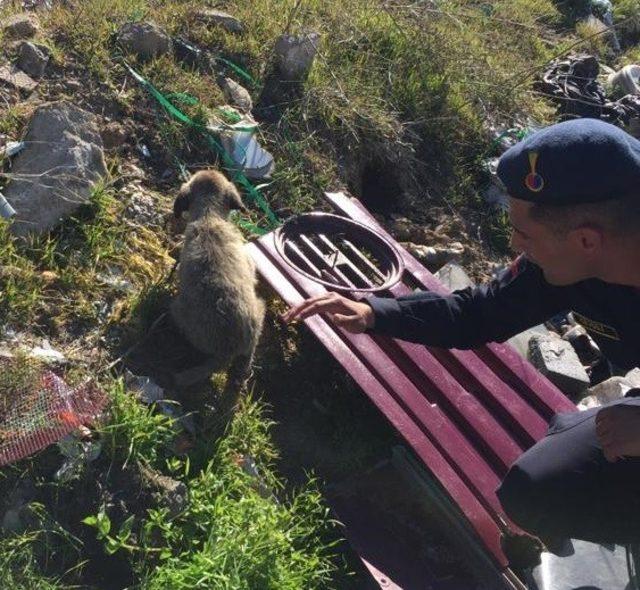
<point>521,341</point>
<point>556,359</point>
<point>454,277</point>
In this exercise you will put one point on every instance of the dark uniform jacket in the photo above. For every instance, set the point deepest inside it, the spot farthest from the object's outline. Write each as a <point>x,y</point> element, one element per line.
<point>518,299</point>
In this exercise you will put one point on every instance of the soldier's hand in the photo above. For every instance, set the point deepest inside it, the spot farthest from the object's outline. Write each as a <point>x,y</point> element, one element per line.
<point>353,316</point>
<point>618,430</point>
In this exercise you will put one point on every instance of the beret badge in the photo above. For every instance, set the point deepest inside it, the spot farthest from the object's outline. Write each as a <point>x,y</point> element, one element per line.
<point>533,181</point>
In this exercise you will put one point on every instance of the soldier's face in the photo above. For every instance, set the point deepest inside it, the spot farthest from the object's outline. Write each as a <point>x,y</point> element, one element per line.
<point>560,256</point>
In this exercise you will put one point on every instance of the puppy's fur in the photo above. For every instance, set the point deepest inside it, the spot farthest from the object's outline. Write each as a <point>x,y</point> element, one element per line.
<point>216,308</point>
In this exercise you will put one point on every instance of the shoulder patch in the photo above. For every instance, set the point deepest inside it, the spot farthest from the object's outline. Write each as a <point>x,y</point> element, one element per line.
<point>597,327</point>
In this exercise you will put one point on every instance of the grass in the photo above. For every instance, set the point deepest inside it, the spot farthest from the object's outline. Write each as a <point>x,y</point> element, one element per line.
<point>233,535</point>
<point>56,278</point>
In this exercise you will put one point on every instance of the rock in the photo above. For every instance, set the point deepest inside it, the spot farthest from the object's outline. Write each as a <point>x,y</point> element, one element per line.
<point>143,209</point>
<point>33,59</point>
<point>16,78</point>
<point>236,94</point>
<point>168,492</point>
<point>633,377</point>
<point>114,135</point>
<point>521,341</point>
<point>20,26</point>
<point>434,257</point>
<point>454,277</point>
<point>608,391</point>
<point>146,40</point>
<point>64,153</point>
<point>221,19</point>
<point>295,55</point>
<point>556,359</point>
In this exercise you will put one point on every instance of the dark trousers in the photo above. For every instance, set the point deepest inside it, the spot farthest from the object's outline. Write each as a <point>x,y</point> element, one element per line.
<point>563,487</point>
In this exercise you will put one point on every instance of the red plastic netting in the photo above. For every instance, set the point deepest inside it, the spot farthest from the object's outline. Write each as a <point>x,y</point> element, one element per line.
<point>45,415</point>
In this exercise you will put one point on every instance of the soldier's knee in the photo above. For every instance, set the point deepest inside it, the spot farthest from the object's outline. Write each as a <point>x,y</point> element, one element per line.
<point>522,499</point>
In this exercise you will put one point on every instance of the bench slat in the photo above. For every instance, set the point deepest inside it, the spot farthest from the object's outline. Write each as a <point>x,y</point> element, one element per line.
<point>529,389</point>
<point>479,516</point>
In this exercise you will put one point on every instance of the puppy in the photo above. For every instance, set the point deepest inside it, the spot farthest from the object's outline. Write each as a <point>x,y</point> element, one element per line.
<point>216,307</point>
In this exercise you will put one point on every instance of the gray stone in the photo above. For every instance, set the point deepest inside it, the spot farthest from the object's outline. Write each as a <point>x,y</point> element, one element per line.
<point>607,391</point>
<point>32,59</point>
<point>295,55</point>
<point>588,567</point>
<point>435,256</point>
<point>19,26</point>
<point>219,18</point>
<point>633,377</point>
<point>454,277</point>
<point>142,207</point>
<point>236,94</point>
<point>556,359</point>
<point>168,492</point>
<point>14,506</point>
<point>610,390</point>
<point>521,341</point>
<point>146,40</point>
<point>56,172</point>
<point>17,79</point>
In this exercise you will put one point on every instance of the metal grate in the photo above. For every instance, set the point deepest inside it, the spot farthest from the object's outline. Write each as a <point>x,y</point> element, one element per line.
<point>339,253</point>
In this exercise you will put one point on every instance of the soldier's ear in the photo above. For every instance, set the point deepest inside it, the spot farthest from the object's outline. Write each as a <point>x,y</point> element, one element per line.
<point>590,238</point>
<point>182,203</point>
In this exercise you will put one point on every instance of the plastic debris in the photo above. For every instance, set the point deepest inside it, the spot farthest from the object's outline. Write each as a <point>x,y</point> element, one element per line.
<point>144,150</point>
<point>239,140</point>
<point>116,280</point>
<point>150,392</point>
<point>627,79</point>
<point>47,354</point>
<point>11,148</point>
<point>249,466</point>
<point>77,453</point>
<point>6,210</point>
<point>591,566</point>
<point>38,418</point>
<point>572,83</point>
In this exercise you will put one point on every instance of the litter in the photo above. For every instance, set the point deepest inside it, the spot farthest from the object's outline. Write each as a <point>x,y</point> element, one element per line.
<point>11,148</point>
<point>45,415</point>
<point>6,210</point>
<point>628,79</point>
<point>590,566</point>
<point>47,354</point>
<point>77,453</point>
<point>150,392</point>
<point>572,83</point>
<point>239,140</point>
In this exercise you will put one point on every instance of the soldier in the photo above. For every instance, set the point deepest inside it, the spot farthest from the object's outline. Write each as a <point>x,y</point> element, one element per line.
<point>574,196</point>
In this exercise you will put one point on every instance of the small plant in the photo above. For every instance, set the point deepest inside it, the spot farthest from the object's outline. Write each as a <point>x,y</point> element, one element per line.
<point>112,542</point>
<point>136,432</point>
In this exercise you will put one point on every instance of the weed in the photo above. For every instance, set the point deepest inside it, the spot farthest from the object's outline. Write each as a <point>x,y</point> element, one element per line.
<point>136,432</point>
<point>19,567</point>
<point>235,536</point>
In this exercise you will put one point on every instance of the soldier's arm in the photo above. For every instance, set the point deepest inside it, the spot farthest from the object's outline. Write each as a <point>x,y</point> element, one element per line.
<point>518,299</point>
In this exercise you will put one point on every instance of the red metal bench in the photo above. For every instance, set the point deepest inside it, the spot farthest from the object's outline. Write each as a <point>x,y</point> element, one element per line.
<point>467,415</point>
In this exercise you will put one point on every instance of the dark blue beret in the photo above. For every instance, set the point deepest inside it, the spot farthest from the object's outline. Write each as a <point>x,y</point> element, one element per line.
<point>578,161</point>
